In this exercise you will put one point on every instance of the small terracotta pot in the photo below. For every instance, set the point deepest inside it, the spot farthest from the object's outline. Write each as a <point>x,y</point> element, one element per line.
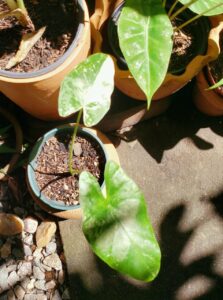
<point>37,92</point>
<point>18,141</point>
<point>124,80</point>
<point>207,101</point>
<point>50,205</point>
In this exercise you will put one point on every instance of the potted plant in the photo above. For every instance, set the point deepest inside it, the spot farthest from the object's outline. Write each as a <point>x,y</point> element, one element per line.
<point>9,153</point>
<point>59,156</point>
<point>134,40</point>
<point>208,90</point>
<point>34,83</point>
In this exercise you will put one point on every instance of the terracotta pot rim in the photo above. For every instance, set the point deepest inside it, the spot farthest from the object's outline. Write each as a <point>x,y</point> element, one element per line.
<point>62,61</point>
<point>36,192</point>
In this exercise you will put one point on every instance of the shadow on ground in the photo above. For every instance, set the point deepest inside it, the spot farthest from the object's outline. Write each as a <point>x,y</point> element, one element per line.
<point>172,277</point>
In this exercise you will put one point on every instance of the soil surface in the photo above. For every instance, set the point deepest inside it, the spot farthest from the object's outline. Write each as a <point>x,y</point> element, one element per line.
<point>52,173</point>
<point>61,26</point>
<point>216,67</point>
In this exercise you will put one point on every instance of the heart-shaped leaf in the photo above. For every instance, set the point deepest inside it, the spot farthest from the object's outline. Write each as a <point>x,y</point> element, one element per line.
<point>211,7</point>
<point>89,87</point>
<point>145,32</point>
<point>117,226</point>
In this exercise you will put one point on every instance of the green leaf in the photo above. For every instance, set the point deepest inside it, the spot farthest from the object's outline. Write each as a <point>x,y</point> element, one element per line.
<point>145,37</point>
<point>117,226</point>
<point>6,149</point>
<point>204,7</point>
<point>218,84</point>
<point>89,87</point>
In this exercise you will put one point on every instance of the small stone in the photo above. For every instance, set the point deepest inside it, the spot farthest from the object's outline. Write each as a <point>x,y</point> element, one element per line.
<point>77,149</point>
<point>50,285</point>
<point>61,276</point>
<point>40,284</point>
<point>66,294</point>
<point>37,273</point>
<point>5,250</point>
<point>45,268</point>
<point>53,261</point>
<point>51,248</point>
<point>13,278</point>
<point>44,234</point>
<point>30,225</point>
<point>27,250</point>
<point>10,224</point>
<point>49,275</point>
<point>25,269</point>
<point>27,283</point>
<point>56,295</point>
<point>28,239</point>
<point>38,253</point>
<point>19,292</point>
<point>10,295</point>
<point>3,278</point>
<point>11,268</point>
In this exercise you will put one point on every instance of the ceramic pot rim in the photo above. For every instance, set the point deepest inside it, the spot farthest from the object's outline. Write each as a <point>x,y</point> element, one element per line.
<point>32,164</point>
<point>61,60</point>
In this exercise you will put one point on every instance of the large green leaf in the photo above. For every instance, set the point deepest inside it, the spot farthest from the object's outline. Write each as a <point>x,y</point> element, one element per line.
<point>201,6</point>
<point>89,87</point>
<point>145,33</point>
<point>117,226</point>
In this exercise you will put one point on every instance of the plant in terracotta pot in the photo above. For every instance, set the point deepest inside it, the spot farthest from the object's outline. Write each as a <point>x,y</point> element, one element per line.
<point>58,40</point>
<point>62,153</point>
<point>147,31</point>
<point>208,91</point>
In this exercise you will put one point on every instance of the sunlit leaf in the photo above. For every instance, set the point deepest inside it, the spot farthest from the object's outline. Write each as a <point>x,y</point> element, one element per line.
<point>145,32</point>
<point>218,84</point>
<point>89,87</point>
<point>117,226</point>
<point>201,6</point>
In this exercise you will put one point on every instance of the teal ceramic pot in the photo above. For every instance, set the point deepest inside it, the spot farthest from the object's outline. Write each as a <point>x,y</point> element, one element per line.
<point>34,189</point>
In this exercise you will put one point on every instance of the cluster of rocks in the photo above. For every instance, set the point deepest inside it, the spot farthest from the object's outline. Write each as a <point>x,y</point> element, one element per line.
<point>32,264</point>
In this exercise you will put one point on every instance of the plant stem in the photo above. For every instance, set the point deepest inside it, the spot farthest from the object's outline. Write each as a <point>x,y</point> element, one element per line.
<point>172,8</point>
<point>74,171</point>
<point>198,16</point>
<point>164,3</point>
<point>11,4</point>
<point>181,9</point>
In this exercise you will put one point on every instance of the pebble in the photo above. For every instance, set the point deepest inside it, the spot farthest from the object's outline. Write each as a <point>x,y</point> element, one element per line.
<point>25,269</point>
<point>53,261</point>
<point>44,234</point>
<point>3,278</point>
<point>40,284</point>
<point>27,250</point>
<point>11,295</point>
<point>5,250</point>
<point>10,224</point>
<point>28,239</point>
<point>30,225</point>
<point>50,285</point>
<point>11,268</point>
<point>19,292</point>
<point>13,278</point>
<point>77,149</point>
<point>51,248</point>
<point>37,273</point>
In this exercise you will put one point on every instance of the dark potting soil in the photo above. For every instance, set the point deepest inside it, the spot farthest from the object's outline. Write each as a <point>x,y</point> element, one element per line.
<point>61,26</point>
<point>216,66</point>
<point>52,175</point>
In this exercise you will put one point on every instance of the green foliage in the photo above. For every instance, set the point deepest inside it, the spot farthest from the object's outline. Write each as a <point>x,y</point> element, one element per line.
<point>210,7</point>
<point>89,87</point>
<point>4,149</point>
<point>145,32</point>
<point>218,84</point>
<point>117,225</point>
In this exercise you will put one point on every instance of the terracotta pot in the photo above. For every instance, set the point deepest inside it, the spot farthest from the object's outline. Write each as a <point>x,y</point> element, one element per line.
<point>50,205</point>
<point>18,141</point>
<point>208,102</point>
<point>124,80</point>
<point>37,92</point>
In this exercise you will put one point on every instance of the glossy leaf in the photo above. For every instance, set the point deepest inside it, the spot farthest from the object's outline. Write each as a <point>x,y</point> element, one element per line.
<point>201,6</point>
<point>117,226</point>
<point>89,87</point>
<point>218,84</point>
<point>145,38</point>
